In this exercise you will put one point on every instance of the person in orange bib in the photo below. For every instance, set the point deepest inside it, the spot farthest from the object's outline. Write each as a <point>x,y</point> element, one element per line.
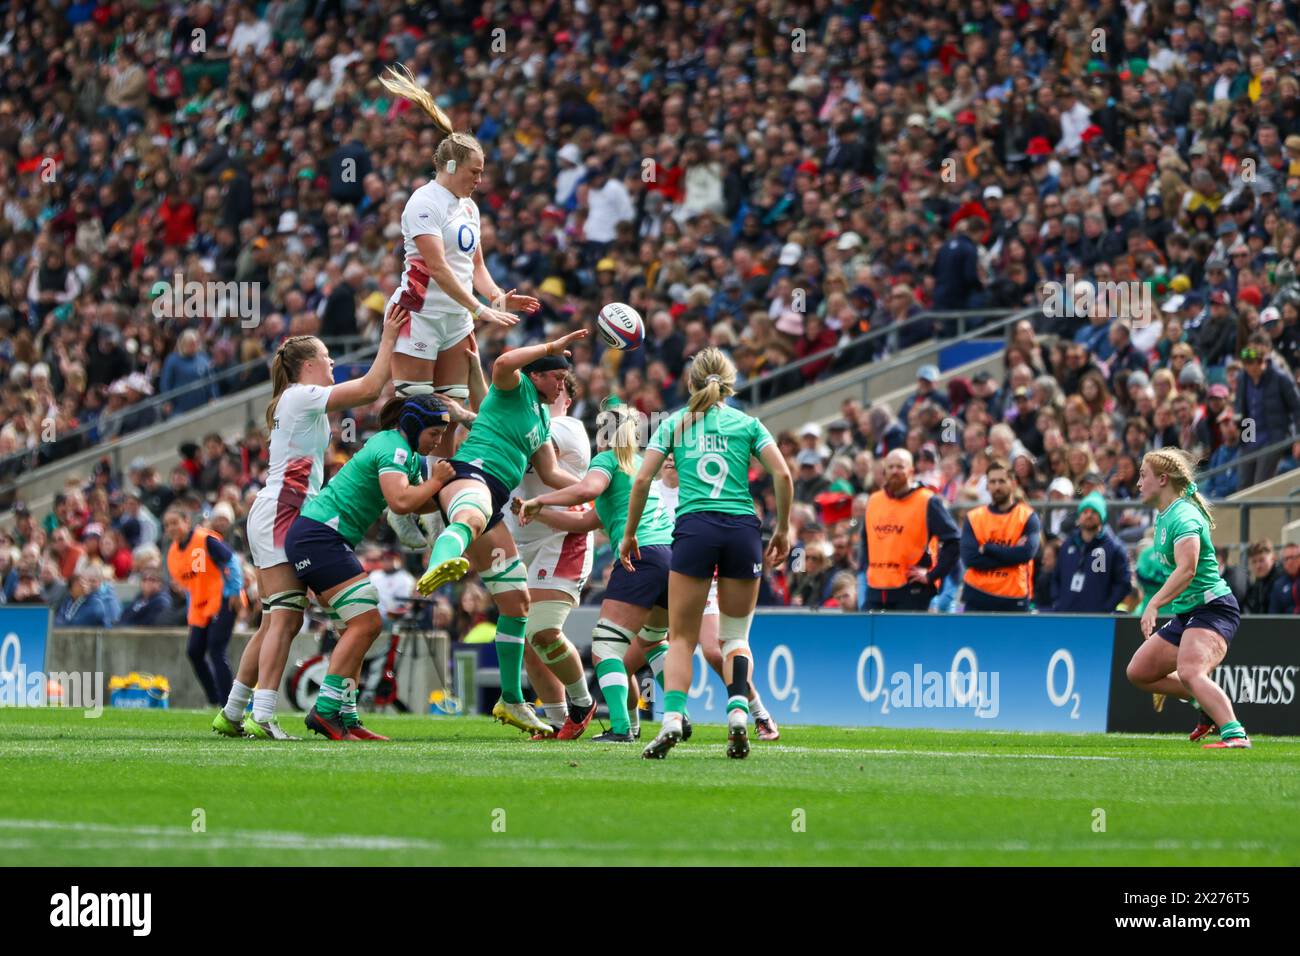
<point>902,520</point>
<point>209,574</point>
<point>998,544</point>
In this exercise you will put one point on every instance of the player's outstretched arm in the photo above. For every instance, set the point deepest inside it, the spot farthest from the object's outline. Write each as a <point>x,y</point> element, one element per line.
<point>588,489</point>
<point>548,468</point>
<point>505,370</point>
<point>570,522</point>
<point>431,250</point>
<point>364,390</point>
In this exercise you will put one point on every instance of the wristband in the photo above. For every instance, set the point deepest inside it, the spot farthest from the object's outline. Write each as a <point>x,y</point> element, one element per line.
<point>479,310</point>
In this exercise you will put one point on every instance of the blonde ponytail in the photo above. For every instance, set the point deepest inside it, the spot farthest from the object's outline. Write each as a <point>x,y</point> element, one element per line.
<point>455,147</point>
<point>287,366</point>
<point>712,378</point>
<point>1177,465</point>
<point>623,425</point>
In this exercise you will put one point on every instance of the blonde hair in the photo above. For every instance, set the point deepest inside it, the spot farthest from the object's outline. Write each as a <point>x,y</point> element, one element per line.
<point>625,439</point>
<point>711,379</point>
<point>455,146</point>
<point>1176,465</point>
<point>287,366</point>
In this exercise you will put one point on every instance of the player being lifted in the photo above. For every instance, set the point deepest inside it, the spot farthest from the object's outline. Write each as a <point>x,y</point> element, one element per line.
<point>635,608</point>
<point>513,427</point>
<point>558,559</point>
<point>444,264</point>
<point>1206,615</point>
<point>303,395</point>
<point>387,471</point>
<point>717,532</point>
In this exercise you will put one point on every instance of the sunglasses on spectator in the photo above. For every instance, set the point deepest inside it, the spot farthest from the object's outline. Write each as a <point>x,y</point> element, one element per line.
<point>1252,355</point>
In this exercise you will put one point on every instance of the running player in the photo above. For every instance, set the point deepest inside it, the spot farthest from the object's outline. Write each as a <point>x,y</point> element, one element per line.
<point>1206,615</point>
<point>444,264</point>
<point>717,532</point>
<point>635,608</point>
<point>303,395</point>
<point>386,471</point>
<point>512,428</point>
<point>666,486</point>
<point>559,563</point>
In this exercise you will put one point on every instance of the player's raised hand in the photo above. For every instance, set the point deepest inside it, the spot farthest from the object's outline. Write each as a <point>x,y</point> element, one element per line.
<point>498,317</point>
<point>512,302</point>
<point>627,550</point>
<point>561,345</point>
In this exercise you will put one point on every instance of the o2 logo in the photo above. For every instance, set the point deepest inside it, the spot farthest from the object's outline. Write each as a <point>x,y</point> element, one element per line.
<point>702,688</point>
<point>783,691</point>
<point>466,238</point>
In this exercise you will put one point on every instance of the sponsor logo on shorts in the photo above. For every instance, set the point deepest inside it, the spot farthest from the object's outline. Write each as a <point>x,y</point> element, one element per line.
<point>758,568</point>
<point>420,346</point>
<point>305,562</point>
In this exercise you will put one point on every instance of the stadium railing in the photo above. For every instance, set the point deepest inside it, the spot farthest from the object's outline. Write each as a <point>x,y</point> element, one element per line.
<point>821,400</point>
<point>752,391</point>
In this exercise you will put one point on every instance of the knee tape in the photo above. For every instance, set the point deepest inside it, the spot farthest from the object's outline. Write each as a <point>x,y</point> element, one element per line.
<point>404,388</point>
<point>548,616</point>
<point>653,635</point>
<point>286,601</point>
<point>610,640</point>
<point>513,576</point>
<point>354,601</point>
<point>733,633</point>
<point>458,393</point>
<point>474,498</point>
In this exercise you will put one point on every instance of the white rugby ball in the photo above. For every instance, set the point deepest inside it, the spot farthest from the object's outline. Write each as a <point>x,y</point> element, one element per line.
<point>620,326</point>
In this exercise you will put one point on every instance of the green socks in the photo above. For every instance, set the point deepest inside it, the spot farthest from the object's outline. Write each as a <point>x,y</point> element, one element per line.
<point>1232,730</point>
<point>510,657</point>
<point>612,678</point>
<point>451,543</point>
<point>330,699</point>
<point>348,712</point>
<point>675,702</point>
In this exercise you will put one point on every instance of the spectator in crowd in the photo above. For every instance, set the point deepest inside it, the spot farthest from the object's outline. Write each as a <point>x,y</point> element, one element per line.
<point>1268,397</point>
<point>1224,483</point>
<point>152,606</point>
<point>998,544</point>
<point>188,368</point>
<point>1264,572</point>
<point>90,601</point>
<point>1285,598</point>
<point>901,521</point>
<point>1092,567</point>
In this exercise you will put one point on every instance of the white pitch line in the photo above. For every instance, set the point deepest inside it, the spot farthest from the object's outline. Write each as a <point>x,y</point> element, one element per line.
<point>781,748</point>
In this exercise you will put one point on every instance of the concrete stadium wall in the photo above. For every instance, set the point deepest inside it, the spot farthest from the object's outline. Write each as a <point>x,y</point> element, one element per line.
<point>1264,522</point>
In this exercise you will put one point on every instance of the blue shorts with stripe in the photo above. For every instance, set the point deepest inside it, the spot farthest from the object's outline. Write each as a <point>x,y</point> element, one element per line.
<point>500,493</point>
<point>1222,616</point>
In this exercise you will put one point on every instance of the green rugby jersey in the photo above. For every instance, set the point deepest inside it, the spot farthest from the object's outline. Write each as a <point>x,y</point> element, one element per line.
<point>1180,519</point>
<point>510,427</point>
<point>712,457</point>
<point>352,500</point>
<point>612,504</point>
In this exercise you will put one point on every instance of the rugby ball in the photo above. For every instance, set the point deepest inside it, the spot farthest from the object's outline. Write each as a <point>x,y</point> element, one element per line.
<point>620,326</point>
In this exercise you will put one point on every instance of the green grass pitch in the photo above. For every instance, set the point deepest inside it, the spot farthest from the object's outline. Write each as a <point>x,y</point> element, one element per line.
<point>133,787</point>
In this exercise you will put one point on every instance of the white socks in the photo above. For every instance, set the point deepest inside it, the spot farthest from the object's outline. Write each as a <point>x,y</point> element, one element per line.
<point>237,701</point>
<point>264,702</point>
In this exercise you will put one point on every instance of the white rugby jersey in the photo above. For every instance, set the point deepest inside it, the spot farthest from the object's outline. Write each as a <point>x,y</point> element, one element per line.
<point>573,450</point>
<point>299,436</point>
<point>434,210</point>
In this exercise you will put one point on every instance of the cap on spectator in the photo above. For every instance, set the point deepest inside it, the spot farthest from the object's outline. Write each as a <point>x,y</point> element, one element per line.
<point>1191,375</point>
<point>1226,228</point>
<point>288,222</point>
<point>1172,304</point>
<point>375,302</point>
<point>20,509</point>
<point>261,243</point>
<point>928,450</point>
<point>1071,221</point>
<point>606,265</point>
<point>1180,283</point>
<point>94,529</point>
<point>839,425</point>
<point>1038,146</point>
<point>812,428</point>
<point>222,509</point>
<point>1227,415</point>
<point>917,120</point>
<point>1251,295</point>
<point>807,166</point>
<point>19,371</point>
<point>1218,390</point>
<point>982,376</point>
<point>1220,297</point>
<point>557,214</point>
<point>1061,486</point>
<point>569,153</point>
<point>1022,391</point>
<point>928,373</point>
<point>1271,314</point>
<point>790,323</point>
<point>850,240</point>
<point>966,118</point>
<point>139,382</point>
<point>808,458</point>
<point>552,285</point>
<point>1139,379</point>
<point>1090,133</point>
<point>1198,149</point>
<point>1092,478</point>
<point>790,253</point>
<point>993,192</point>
